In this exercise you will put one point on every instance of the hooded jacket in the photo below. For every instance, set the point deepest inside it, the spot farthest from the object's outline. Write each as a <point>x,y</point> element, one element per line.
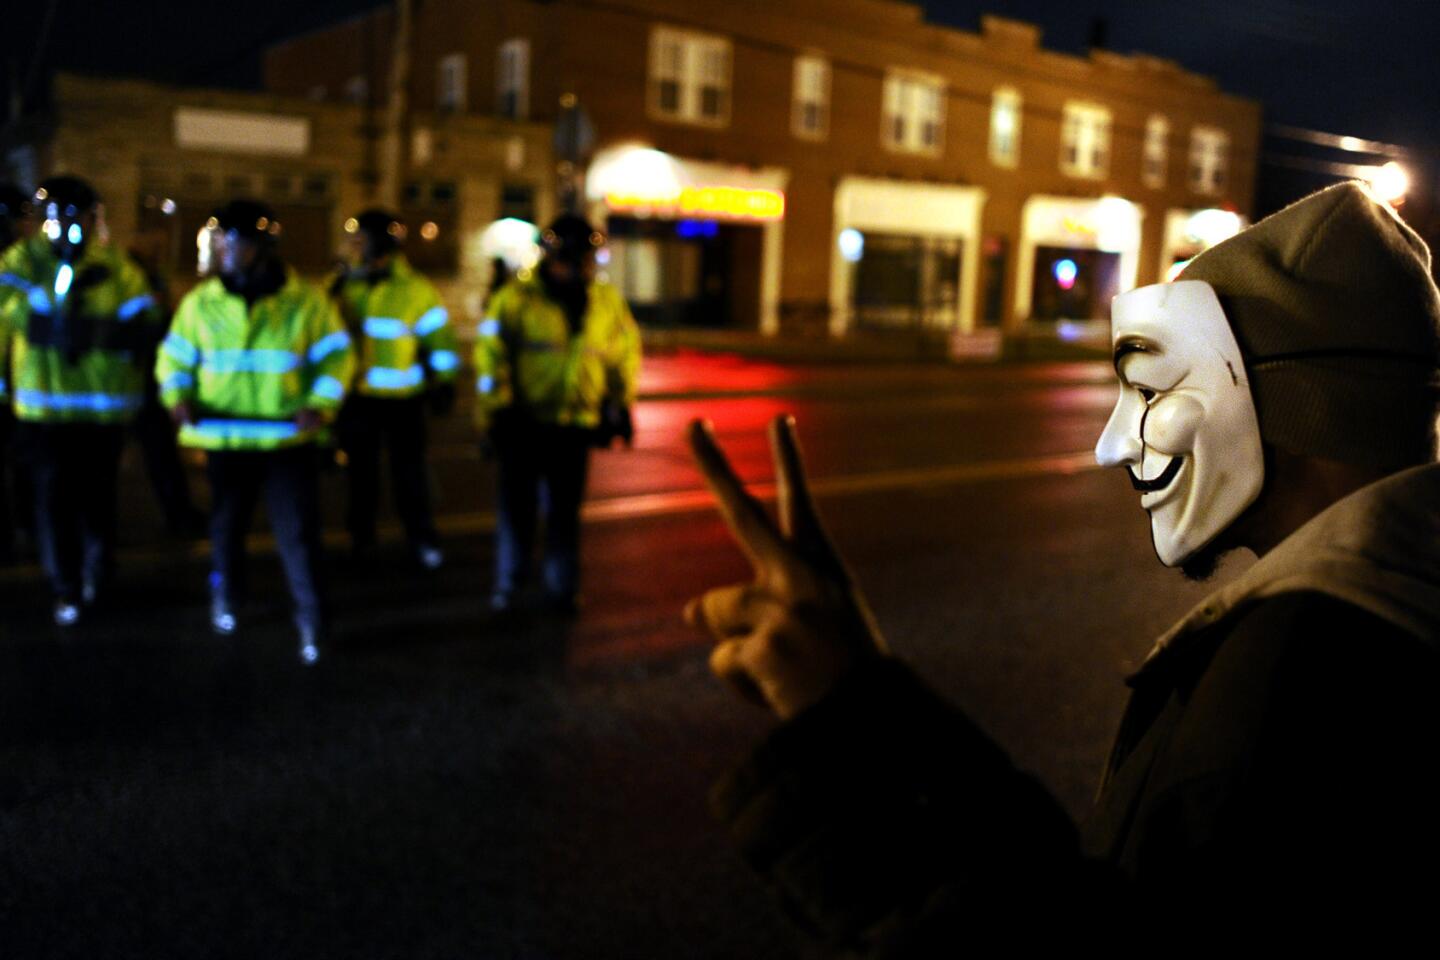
<point>1274,768</point>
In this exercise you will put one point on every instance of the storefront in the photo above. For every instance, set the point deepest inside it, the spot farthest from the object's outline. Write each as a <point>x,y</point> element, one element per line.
<point>1074,257</point>
<point>904,256</point>
<point>1189,233</point>
<point>692,244</point>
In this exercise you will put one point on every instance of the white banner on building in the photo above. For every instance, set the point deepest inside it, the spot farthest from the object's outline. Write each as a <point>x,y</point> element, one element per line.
<point>235,131</point>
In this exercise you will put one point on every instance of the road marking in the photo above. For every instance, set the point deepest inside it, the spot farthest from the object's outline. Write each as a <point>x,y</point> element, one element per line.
<point>666,503</point>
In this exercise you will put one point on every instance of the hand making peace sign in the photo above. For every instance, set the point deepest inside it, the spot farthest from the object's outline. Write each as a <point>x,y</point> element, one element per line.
<point>784,639</point>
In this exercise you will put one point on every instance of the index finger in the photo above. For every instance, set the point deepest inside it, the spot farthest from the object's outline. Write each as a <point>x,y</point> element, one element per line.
<point>744,515</point>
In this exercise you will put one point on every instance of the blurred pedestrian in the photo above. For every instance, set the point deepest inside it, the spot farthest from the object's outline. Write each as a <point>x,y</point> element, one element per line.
<point>407,361</point>
<point>80,316</point>
<point>556,357</point>
<point>254,369</point>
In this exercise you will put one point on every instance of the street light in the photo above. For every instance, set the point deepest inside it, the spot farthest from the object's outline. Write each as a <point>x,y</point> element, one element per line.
<point>1389,183</point>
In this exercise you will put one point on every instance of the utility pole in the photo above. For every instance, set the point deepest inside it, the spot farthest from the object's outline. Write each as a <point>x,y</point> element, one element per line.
<point>392,152</point>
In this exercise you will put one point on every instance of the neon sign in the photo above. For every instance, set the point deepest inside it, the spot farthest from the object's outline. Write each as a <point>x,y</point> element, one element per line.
<point>735,203</point>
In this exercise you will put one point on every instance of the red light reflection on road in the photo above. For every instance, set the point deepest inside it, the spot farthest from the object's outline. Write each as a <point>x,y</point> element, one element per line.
<point>688,371</point>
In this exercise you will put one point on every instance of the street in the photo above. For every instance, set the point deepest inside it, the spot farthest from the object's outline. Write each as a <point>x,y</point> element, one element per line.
<point>444,784</point>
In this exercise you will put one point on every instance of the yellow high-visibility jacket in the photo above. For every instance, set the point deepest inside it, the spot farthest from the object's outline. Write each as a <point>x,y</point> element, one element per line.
<point>247,373</point>
<point>525,355</point>
<point>76,333</point>
<point>403,333</point>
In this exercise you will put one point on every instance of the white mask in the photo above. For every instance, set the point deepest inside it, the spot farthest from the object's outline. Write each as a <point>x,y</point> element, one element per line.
<point>1184,425</point>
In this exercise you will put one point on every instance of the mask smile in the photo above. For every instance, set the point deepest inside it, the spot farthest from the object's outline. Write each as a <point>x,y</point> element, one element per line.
<point>1167,476</point>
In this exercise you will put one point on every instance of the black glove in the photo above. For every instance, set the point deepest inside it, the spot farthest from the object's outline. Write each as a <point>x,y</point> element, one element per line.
<point>615,421</point>
<point>442,399</point>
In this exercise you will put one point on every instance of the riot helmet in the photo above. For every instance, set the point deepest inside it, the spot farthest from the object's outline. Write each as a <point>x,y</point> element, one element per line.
<point>68,206</point>
<point>375,234</point>
<point>242,236</point>
<point>571,239</point>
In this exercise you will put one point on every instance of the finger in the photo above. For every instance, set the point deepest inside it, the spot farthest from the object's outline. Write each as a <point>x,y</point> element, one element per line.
<point>797,511</point>
<point>725,664</point>
<point>798,517</point>
<point>744,515</point>
<point>724,612</point>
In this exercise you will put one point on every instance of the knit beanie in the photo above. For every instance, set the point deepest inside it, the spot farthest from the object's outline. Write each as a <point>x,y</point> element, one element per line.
<point>1338,320</point>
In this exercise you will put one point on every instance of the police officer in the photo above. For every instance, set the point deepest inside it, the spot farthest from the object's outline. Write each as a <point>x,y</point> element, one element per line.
<point>406,352</point>
<point>15,502</point>
<point>255,366</point>
<point>557,359</point>
<point>80,316</point>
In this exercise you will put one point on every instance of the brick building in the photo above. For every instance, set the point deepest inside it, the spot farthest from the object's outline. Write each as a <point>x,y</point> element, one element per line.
<point>834,164</point>
<point>164,157</point>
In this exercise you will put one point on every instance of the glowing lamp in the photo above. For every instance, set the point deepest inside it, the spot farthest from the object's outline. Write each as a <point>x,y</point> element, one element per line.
<point>1389,183</point>
<point>852,245</point>
<point>1209,227</point>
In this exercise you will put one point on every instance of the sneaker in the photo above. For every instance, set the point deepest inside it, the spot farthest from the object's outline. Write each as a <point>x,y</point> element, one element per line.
<point>66,613</point>
<point>430,557</point>
<point>309,644</point>
<point>223,622</point>
<point>222,615</point>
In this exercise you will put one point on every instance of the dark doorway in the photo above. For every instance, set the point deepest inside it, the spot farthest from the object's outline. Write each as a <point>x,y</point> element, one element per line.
<point>1073,284</point>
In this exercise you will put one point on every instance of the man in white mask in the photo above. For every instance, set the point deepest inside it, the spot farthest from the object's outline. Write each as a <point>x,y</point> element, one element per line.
<point>1276,766</point>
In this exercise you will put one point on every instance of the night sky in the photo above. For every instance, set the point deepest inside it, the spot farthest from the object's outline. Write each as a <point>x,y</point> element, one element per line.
<point>1370,70</point>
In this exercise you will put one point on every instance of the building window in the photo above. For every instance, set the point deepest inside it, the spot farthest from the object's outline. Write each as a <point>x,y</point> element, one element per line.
<point>811,117</point>
<point>906,281</point>
<point>1005,127</point>
<point>517,200</point>
<point>914,119</point>
<point>1157,151</point>
<point>512,79</point>
<point>1085,140</point>
<point>450,92</point>
<point>690,76</point>
<point>431,208</point>
<point>1209,150</point>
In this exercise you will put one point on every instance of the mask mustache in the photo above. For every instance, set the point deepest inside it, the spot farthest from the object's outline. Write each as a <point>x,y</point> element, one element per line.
<point>1167,476</point>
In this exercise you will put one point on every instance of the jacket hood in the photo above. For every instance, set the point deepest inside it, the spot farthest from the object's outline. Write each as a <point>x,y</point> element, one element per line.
<point>1378,549</point>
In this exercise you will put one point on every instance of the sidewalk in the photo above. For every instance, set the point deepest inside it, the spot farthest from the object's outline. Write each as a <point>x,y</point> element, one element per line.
<point>868,347</point>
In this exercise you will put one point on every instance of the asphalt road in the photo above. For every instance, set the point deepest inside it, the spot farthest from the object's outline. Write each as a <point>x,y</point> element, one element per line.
<point>444,784</point>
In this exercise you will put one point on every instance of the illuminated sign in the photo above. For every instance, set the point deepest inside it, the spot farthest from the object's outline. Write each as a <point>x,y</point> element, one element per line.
<point>734,203</point>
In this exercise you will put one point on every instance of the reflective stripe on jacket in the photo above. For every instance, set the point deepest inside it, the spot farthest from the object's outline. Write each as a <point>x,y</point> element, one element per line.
<point>246,374</point>
<point>77,333</point>
<point>402,331</point>
<point>558,378</point>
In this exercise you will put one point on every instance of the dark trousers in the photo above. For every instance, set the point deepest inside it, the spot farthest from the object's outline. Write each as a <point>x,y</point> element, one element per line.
<point>290,478</point>
<point>368,425</point>
<point>74,469</point>
<point>542,469</point>
<point>17,502</point>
